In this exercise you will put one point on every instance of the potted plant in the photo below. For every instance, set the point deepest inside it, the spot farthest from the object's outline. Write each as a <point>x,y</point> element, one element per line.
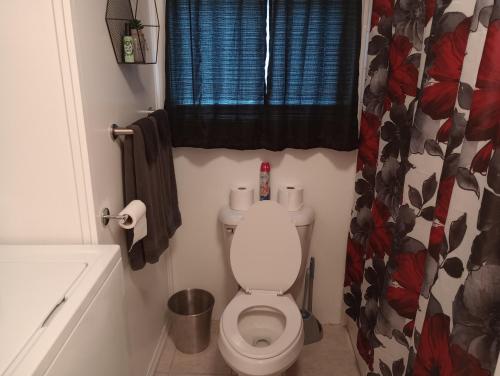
<point>140,43</point>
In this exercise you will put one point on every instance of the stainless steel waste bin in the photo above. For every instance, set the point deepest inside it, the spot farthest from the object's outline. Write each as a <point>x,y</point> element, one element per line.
<point>191,318</point>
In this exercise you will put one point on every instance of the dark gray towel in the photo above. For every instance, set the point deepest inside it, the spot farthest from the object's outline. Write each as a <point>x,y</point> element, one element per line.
<point>150,135</point>
<point>174,215</point>
<point>163,125</point>
<point>145,178</point>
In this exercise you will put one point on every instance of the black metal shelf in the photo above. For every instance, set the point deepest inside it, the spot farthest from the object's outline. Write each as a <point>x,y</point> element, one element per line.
<point>119,13</point>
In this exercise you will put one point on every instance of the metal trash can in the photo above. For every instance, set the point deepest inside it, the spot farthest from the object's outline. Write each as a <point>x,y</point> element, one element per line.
<point>191,318</point>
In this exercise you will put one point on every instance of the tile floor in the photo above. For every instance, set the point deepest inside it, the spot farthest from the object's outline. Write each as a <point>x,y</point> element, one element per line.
<point>330,357</point>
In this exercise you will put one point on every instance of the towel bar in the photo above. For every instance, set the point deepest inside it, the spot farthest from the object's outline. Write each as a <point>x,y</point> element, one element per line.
<point>116,131</point>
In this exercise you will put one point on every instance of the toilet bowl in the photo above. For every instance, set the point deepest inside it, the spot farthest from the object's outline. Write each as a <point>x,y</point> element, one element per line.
<point>261,334</point>
<point>261,331</point>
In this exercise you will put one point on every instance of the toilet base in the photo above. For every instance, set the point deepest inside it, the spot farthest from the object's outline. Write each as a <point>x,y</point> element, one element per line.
<point>234,373</point>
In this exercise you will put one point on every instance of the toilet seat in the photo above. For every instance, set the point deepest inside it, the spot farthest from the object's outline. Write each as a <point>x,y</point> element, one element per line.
<point>242,302</point>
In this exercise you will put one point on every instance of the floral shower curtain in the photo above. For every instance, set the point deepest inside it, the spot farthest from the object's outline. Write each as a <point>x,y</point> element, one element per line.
<point>422,282</point>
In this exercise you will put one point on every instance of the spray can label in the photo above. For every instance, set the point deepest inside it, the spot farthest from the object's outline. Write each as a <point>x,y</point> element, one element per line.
<point>265,185</point>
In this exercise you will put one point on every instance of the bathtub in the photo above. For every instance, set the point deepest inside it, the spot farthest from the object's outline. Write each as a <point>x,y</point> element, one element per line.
<point>62,311</point>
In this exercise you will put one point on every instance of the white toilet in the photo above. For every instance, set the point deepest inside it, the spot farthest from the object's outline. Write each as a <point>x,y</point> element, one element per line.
<point>261,331</point>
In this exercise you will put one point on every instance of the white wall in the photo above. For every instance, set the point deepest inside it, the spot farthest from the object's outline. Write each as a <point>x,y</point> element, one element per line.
<point>113,93</point>
<point>42,194</point>
<point>204,178</point>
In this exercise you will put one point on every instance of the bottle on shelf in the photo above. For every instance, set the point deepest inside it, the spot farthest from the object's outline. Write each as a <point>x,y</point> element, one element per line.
<point>128,45</point>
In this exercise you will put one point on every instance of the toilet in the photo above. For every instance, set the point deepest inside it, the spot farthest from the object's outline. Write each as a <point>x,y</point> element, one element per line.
<point>261,332</point>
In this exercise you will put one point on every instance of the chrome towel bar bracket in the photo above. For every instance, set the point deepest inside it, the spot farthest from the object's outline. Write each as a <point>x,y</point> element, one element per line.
<point>115,131</point>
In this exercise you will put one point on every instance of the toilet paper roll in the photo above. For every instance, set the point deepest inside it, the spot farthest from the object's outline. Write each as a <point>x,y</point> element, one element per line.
<point>291,197</point>
<point>241,198</point>
<point>135,221</point>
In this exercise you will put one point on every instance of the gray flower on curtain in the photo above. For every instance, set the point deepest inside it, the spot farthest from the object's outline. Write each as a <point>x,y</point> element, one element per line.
<point>362,226</point>
<point>397,133</point>
<point>485,246</point>
<point>375,95</point>
<point>389,184</point>
<point>367,340</point>
<point>409,19</point>
<point>476,316</point>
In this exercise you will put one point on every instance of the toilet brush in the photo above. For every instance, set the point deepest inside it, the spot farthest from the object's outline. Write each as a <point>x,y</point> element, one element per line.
<point>313,331</point>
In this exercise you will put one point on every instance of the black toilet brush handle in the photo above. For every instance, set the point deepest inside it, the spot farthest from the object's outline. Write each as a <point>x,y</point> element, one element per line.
<point>311,284</point>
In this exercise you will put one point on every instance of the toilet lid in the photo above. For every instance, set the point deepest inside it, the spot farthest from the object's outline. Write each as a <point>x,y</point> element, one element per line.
<point>265,252</point>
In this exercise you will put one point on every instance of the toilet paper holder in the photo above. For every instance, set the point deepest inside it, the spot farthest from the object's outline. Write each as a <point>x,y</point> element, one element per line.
<point>106,217</point>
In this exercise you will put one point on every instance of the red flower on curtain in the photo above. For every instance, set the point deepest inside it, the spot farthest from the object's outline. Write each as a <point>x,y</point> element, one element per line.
<point>354,263</point>
<point>365,349</point>
<point>485,110</point>
<point>443,198</point>
<point>403,74</point>
<point>381,8</point>
<point>380,239</point>
<point>481,160</point>
<point>437,241</point>
<point>438,97</point>
<point>464,364</point>
<point>368,140</point>
<point>408,328</point>
<point>430,8</point>
<point>443,134</point>
<point>433,356</point>
<point>404,290</point>
<point>484,118</point>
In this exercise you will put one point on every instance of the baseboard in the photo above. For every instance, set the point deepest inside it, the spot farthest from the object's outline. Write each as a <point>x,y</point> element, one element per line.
<point>158,350</point>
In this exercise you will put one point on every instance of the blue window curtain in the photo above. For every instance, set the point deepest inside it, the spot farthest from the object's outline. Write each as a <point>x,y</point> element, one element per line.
<point>217,94</point>
<point>313,74</point>
<point>216,67</point>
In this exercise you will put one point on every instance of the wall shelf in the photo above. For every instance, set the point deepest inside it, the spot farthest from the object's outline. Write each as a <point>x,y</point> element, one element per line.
<point>122,12</point>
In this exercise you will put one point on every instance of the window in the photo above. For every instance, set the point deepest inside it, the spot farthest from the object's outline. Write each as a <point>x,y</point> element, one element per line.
<point>250,74</point>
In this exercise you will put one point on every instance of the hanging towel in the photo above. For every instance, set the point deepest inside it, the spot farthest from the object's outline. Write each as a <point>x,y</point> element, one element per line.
<point>173,214</point>
<point>145,178</point>
<point>150,135</point>
<point>163,125</point>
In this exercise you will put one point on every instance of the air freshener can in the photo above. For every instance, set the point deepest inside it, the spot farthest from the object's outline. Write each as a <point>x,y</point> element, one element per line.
<point>265,183</point>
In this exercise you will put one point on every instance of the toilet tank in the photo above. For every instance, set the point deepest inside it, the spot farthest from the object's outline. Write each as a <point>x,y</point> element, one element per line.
<point>303,221</point>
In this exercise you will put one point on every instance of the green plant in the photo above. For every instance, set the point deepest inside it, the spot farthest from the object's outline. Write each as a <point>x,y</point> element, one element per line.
<point>136,24</point>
